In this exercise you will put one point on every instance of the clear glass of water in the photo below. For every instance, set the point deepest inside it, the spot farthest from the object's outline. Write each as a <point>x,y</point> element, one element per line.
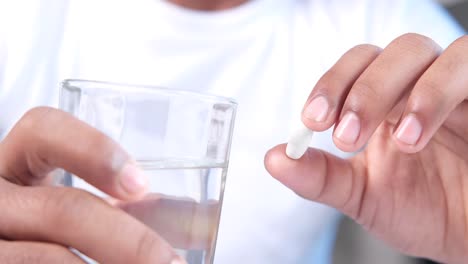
<point>180,139</point>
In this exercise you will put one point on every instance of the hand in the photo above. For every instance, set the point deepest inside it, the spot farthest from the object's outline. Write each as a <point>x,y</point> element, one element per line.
<point>406,107</point>
<point>38,223</point>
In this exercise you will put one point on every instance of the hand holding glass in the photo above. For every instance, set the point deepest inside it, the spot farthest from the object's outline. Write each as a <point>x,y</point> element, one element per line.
<point>180,139</point>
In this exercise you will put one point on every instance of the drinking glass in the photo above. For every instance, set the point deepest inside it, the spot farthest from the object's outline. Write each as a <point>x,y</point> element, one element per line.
<point>180,139</point>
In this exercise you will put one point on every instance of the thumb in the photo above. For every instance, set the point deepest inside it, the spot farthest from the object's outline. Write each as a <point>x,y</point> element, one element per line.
<point>321,177</point>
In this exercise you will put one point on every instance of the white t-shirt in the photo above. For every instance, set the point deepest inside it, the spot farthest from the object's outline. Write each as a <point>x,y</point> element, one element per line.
<point>267,54</point>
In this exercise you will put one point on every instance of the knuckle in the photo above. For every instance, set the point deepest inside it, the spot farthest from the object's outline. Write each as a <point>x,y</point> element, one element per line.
<point>61,205</point>
<point>458,58</point>
<point>364,91</point>
<point>31,126</point>
<point>149,248</point>
<point>32,119</point>
<point>430,89</point>
<point>462,41</point>
<point>417,44</point>
<point>331,80</point>
<point>146,243</point>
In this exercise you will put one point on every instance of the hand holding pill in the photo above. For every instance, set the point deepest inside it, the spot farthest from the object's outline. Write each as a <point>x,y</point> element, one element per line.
<point>405,108</point>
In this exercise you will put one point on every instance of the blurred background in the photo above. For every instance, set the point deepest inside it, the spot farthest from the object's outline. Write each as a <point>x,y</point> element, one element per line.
<point>459,9</point>
<point>353,245</point>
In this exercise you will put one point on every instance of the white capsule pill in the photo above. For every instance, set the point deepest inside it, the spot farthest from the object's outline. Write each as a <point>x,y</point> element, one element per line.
<point>299,142</point>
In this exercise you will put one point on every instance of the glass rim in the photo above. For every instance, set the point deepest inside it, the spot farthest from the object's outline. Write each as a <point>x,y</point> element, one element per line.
<point>148,88</point>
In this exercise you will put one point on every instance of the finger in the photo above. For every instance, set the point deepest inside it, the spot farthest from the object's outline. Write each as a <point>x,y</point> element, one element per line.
<point>321,177</point>
<point>183,223</point>
<point>380,87</point>
<point>47,138</point>
<point>62,215</point>
<point>456,120</point>
<point>437,93</point>
<point>35,252</point>
<point>324,104</point>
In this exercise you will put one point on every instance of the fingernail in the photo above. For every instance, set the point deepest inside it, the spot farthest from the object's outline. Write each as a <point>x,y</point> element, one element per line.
<point>132,179</point>
<point>178,260</point>
<point>317,109</point>
<point>348,129</point>
<point>409,130</point>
